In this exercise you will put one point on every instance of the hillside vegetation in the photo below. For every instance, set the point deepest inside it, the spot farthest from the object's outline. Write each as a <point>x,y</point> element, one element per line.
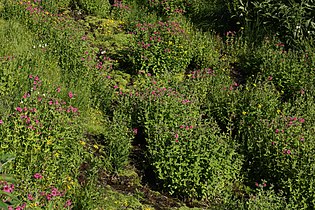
<point>173,104</point>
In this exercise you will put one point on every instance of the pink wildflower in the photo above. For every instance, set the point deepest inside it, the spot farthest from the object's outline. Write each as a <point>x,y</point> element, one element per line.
<point>38,176</point>
<point>135,131</point>
<point>68,203</point>
<point>30,197</point>
<point>1,122</point>
<point>19,109</point>
<point>70,94</point>
<point>301,120</point>
<point>176,136</point>
<point>55,192</point>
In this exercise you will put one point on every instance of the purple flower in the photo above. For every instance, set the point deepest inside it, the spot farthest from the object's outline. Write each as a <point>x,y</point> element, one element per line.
<point>70,94</point>
<point>30,197</point>
<point>55,192</point>
<point>38,176</point>
<point>135,131</point>
<point>1,122</point>
<point>19,109</point>
<point>68,203</point>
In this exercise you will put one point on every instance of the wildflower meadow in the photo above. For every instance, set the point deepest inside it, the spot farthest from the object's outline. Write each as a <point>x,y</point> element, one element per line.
<point>173,104</point>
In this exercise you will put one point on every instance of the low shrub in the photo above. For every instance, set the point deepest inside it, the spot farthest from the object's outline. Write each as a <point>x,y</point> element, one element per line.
<point>160,47</point>
<point>186,152</point>
<point>99,8</point>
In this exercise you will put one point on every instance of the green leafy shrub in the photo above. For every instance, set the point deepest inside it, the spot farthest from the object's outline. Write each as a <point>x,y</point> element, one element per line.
<point>186,152</point>
<point>168,7</point>
<point>266,199</point>
<point>160,47</point>
<point>277,143</point>
<point>211,15</point>
<point>99,8</point>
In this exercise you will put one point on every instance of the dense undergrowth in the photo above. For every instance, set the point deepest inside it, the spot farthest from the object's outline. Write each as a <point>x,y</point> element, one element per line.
<point>210,103</point>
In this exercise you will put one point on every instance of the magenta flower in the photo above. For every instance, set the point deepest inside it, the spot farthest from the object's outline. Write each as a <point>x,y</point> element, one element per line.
<point>19,109</point>
<point>38,176</point>
<point>48,196</point>
<point>70,94</point>
<point>135,131</point>
<point>1,122</point>
<point>58,89</point>
<point>50,102</point>
<point>68,203</point>
<point>55,192</point>
<point>115,87</point>
<point>30,197</point>
<point>301,120</point>
<point>270,78</point>
<point>288,152</point>
<point>277,130</point>
<point>30,76</point>
<point>176,136</point>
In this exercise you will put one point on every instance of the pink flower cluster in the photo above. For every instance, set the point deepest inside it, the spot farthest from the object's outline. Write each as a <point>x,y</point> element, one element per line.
<point>120,5</point>
<point>186,127</point>
<point>38,176</point>
<point>6,187</point>
<point>36,83</point>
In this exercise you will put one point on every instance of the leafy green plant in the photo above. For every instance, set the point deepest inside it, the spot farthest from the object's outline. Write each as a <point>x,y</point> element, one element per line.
<point>185,151</point>
<point>160,47</point>
<point>99,8</point>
